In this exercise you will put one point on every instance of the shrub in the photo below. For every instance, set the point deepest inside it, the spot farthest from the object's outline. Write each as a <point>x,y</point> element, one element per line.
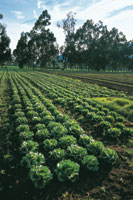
<point>57,154</point>
<point>91,163</point>
<point>50,144</point>
<point>76,152</point>
<point>114,132</point>
<point>67,140</point>
<point>67,170</point>
<point>40,176</point>
<point>32,158</point>
<point>27,146</point>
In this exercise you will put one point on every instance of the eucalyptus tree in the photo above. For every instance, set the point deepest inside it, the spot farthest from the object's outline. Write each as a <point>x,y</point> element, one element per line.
<point>68,26</point>
<point>43,43</point>
<point>5,51</point>
<point>21,52</point>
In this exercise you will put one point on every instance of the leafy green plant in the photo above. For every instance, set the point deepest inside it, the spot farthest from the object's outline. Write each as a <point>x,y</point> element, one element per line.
<point>27,135</point>
<point>35,120</point>
<point>85,140</point>
<point>32,158</point>
<point>40,176</point>
<point>31,114</point>
<point>114,132</point>
<point>50,144</point>
<point>28,145</point>
<point>95,147</point>
<point>47,119</point>
<point>44,113</point>
<point>57,154</point>
<point>67,170</point>
<point>61,118</point>
<point>21,120</point>
<point>109,118</point>
<point>19,114</point>
<point>22,128</point>
<point>58,131</point>
<point>40,126</point>
<point>120,119</point>
<point>51,125</point>
<point>119,125</point>
<point>67,140</point>
<point>76,152</point>
<point>91,163</point>
<point>42,134</point>
<point>109,156</point>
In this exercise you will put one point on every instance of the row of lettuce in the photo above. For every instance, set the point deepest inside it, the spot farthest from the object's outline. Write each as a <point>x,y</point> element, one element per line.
<point>52,146</point>
<point>90,115</point>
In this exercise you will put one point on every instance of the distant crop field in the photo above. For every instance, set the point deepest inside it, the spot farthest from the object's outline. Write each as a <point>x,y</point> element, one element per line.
<point>118,81</point>
<point>62,138</point>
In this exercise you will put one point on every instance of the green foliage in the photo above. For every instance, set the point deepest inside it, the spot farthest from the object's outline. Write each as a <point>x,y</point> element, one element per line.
<point>114,132</point>
<point>85,140</point>
<point>27,135</point>
<point>21,120</point>
<point>67,140</point>
<point>42,134</point>
<point>109,156</point>
<point>22,128</point>
<point>58,131</point>
<point>27,146</point>
<point>67,170</point>
<point>31,114</point>
<point>47,119</point>
<point>95,147</point>
<point>32,159</point>
<point>119,125</point>
<point>40,176</point>
<point>57,154</point>
<point>40,126</point>
<point>49,144</point>
<point>76,152</point>
<point>91,163</point>
<point>109,118</point>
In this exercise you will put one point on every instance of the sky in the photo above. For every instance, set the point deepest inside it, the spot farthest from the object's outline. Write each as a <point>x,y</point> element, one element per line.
<point>20,15</point>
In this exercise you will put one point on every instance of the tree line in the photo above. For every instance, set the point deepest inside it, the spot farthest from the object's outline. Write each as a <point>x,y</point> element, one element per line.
<point>91,47</point>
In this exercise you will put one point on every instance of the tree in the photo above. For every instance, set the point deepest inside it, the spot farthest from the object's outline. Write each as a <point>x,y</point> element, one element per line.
<point>5,51</point>
<point>43,42</point>
<point>68,26</point>
<point>22,51</point>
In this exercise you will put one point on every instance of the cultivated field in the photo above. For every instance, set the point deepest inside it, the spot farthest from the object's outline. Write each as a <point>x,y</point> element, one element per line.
<point>61,138</point>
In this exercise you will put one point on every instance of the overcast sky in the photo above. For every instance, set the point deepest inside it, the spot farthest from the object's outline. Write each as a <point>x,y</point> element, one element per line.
<point>20,15</point>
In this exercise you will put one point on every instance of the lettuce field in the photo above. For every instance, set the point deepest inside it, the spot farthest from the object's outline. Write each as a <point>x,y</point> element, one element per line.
<point>64,139</point>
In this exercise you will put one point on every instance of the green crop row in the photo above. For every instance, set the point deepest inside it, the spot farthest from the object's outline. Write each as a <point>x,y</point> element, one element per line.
<point>52,144</point>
